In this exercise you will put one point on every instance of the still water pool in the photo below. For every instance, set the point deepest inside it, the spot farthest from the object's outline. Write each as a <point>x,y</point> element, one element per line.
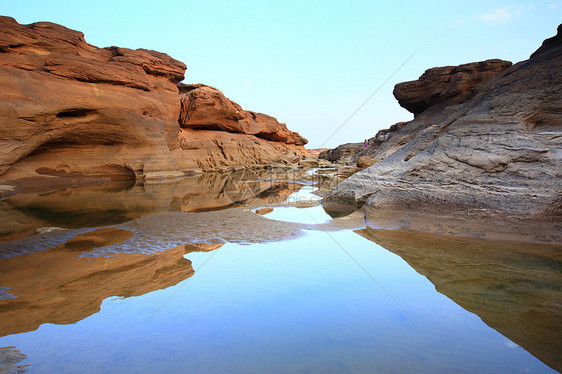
<point>298,294</point>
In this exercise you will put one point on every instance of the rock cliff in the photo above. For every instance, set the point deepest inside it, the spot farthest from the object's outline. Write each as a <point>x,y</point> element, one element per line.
<point>484,151</point>
<point>73,112</point>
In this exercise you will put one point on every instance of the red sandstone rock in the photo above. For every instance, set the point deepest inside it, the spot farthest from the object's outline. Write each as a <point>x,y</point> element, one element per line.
<point>205,107</point>
<point>69,109</point>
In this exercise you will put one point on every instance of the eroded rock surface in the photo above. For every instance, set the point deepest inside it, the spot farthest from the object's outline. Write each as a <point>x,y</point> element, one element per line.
<point>205,107</point>
<point>495,158</point>
<point>342,152</point>
<point>73,113</point>
<point>448,83</point>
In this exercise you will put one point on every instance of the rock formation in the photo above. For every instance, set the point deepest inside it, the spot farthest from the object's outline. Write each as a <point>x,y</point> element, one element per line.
<point>75,113</point>
<point>342,152</point>
<point>482,153</point>
<point>315,152</point>
<point>205,107</point>
<point>217,133</point>
<point>454,84</point>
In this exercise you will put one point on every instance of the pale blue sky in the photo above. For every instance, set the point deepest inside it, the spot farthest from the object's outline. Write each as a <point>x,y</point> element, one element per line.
<point>309,63</point>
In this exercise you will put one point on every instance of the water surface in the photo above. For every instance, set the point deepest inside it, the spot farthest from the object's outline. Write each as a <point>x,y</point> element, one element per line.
<point>176,289</point>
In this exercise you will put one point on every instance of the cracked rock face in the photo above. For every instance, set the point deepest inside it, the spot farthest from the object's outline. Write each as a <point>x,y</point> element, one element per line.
<point>490,160</point>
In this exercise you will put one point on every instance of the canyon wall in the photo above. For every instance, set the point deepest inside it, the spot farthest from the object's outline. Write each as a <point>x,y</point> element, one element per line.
<point>73,113</point>
<point>484,150</point>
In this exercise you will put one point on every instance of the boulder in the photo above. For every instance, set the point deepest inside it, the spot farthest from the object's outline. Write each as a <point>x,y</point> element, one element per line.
<point>205,107</point>
<point>346,171</point>
<point>364,162</point>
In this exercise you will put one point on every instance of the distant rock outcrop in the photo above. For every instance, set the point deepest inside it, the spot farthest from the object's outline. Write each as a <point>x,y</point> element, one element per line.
<point>341,152</point>
<point>75,113</point>
<point>205,107</point>
<point>486,157</point>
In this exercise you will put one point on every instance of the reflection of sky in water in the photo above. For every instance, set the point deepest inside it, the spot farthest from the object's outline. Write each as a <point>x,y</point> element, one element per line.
<point>312,215</point>
<point>303,196</point>
<point>294,306</point>
<point>5,295</point>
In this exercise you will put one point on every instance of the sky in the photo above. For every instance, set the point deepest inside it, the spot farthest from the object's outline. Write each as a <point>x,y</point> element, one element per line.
<point>311,64</point>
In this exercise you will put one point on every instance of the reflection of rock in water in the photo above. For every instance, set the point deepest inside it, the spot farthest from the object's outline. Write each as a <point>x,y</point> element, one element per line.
<point>202,247</point>
<point>55,286</point>
<point>9,357</point>
<point>514,288</point>
<point>116,203</point>
<point>157,232</point>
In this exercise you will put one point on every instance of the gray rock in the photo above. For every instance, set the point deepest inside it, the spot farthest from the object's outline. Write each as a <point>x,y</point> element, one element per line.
<point>446,83</point>
<point>495,159</point>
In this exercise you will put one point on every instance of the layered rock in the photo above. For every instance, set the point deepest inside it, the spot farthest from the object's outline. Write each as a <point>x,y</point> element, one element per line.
<point>217,133</point>
<point>488,163</point>
<point>342,152</point>
<point>350,153</point>
<point>448,83</point>
<point>75,113</point>
<point>68,107</point>
<point>205,107</point>
<point>315,152</point>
